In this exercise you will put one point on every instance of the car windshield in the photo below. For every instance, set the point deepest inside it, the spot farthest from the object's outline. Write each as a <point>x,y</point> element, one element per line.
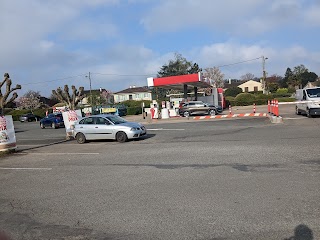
<point>116,119</point>
<point>313,93</point>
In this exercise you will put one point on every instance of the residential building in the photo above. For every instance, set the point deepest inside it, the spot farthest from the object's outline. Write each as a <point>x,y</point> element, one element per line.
<point>251,86</point>
<point>133,93</point>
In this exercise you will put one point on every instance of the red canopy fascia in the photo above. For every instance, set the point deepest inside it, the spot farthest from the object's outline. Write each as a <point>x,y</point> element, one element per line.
<point>194,80</point>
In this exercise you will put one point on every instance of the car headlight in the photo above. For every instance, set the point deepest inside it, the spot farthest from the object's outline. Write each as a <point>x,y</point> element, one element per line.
<point>133,129</point>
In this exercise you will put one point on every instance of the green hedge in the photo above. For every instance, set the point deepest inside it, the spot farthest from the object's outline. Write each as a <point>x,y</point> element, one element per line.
<point>286,99</point>
<point>247,99</point>
<point>134,110</point>
<point>17,113</point>
<point>133,103</point>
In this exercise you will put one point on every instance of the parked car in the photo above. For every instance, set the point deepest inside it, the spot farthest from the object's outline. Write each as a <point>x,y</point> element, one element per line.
<point>197,107</point>
<point>53,120</point>
<point>106,126</point>
<point>29,117</point>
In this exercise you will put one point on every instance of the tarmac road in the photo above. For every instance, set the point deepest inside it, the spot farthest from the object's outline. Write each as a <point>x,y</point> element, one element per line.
<point>217,179</point>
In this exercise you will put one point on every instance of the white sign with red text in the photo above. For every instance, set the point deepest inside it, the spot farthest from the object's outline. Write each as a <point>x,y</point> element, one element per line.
<point>70,117</point>
<point>7,133</point>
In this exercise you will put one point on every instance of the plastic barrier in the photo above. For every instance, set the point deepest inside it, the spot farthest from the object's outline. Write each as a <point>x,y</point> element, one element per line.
<point>165,113</point>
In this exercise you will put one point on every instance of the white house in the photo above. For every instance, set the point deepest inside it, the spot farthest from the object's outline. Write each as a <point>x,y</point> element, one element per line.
<point>251,86</point>
<point>133,93</point>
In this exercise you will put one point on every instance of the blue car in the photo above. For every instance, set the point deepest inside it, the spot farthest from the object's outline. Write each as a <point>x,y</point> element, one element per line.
<point>53,120</point>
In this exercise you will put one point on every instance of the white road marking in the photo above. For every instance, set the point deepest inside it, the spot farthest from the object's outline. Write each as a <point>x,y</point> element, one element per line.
<point>46,153</point>
<point>164,129</point>
<point>297,118</point>
<point>8,168</point>
<point>38,139</point>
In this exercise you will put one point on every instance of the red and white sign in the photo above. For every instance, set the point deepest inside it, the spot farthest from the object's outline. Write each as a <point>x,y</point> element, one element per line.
<point>7,133</point>
<point>70,117</point>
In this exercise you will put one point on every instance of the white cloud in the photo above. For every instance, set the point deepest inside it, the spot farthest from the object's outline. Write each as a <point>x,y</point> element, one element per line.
<point>172,15</point>
<point>246,17</point>
<point>235,59</point>
<point>312,15</point>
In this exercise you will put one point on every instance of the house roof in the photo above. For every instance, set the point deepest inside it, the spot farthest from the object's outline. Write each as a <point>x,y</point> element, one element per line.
<point>134,90</point>
<point>232,84</point>
<point>250,81</point>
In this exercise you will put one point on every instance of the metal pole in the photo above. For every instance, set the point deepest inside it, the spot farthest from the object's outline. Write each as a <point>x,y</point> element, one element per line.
<point>264,74</point>
<point>90,90</point>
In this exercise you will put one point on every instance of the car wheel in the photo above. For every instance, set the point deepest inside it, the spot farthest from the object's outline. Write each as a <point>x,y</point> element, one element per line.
<point>212,112</point>
<point>41,125</point>
<point>81,138</point>
<point>53,125</point>
<point>121,137</point>
<point>308,113</point>
<point>297,111</point>
<point>186,114</point>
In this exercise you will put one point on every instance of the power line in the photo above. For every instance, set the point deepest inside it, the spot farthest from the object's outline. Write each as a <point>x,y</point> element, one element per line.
<point>54,80</point>
<point>250,60</point>
<point>125,75</point>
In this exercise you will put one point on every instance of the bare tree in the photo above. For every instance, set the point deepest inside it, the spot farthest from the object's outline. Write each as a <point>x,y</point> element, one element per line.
<point>4,97</point>
<point>70,100</point>
<point>107,95</point>
<point>214,76</point>
<point>247,77</point>
<point>30,100</point>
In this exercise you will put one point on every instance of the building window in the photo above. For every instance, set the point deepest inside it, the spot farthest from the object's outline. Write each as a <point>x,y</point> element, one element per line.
<point>130,97</point>
<point>246,89</point>
<point>255,89</point>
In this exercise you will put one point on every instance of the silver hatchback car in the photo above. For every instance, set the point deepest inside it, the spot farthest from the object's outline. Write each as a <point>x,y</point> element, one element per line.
<point>106,126</point>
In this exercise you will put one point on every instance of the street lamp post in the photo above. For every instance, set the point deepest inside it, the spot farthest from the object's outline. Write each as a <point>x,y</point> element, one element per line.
<point>264,74</point>
<point>90,89</point>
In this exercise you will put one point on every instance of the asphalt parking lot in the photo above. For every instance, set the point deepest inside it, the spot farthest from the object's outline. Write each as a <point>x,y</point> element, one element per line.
<point>217,179</point>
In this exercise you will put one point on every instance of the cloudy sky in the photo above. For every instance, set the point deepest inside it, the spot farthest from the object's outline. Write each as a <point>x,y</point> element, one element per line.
<point>45,44</point>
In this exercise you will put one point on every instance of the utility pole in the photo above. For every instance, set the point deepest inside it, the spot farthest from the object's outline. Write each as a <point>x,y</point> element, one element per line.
<point>90,89</point>
<point>264,74</point>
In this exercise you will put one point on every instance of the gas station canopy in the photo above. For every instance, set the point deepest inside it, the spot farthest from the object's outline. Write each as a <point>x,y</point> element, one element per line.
<point>181,82</point>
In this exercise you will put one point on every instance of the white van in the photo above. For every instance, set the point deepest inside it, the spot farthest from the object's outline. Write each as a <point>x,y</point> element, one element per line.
<point>310,101</point>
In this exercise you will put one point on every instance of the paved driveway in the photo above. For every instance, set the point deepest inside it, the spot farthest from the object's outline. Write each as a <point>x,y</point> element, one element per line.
<point>229,179</point>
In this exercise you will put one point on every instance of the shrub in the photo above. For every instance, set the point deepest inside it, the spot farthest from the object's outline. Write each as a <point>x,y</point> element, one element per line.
<point>233,91</point>
<point>133,103</point>
<point>287,99</point>
<point>17,113</point>
<point>134,110</point>
<point>282,90</point>
<point>245,97</point>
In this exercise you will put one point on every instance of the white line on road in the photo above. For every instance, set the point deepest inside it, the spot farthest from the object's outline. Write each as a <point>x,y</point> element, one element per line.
<point>163,129</point>
<point>39,139</point>
<point>55,153</point>
<point>291,118</point>
<point>4,168</point>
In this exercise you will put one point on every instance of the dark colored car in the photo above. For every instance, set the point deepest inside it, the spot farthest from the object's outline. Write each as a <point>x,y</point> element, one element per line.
<point>53,120</point>
<point>29,117</point>
<point>197,107</point>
